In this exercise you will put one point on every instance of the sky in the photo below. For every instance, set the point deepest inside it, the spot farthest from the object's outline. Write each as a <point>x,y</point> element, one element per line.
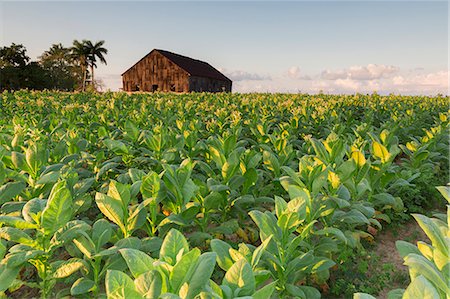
<point>263,46</point>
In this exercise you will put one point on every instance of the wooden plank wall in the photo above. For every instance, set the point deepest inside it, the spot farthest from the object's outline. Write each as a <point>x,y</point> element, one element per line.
<point>156,69</point>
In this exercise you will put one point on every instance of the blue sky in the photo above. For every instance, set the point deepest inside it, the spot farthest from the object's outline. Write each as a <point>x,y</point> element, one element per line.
<point>336,47</point>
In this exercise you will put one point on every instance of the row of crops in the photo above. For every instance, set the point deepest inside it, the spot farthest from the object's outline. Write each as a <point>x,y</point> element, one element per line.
<point>205,195</point>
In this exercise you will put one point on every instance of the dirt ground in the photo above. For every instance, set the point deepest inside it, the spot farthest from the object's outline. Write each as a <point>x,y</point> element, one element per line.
<point>385,248</point>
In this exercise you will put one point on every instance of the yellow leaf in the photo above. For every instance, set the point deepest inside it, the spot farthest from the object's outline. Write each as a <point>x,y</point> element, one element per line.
<point>380,151</point>
<point>359,158</point>
<point>334,179</point>
<point>411,146</point>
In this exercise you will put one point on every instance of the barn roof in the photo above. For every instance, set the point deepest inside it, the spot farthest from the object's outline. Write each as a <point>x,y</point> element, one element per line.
<point>194,67</point>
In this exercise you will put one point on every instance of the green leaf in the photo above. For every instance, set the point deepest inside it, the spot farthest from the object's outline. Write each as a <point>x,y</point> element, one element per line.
<point>85,246</point>
<point>58,210</point>
<point>310,292</point>
<point>333,231</point>
<point>101,232</point>
<point>267,224</point>
<point>171,246</point>
<point>230,167</point>
<point>386,199</point>
<point>421,288</point>
<point>240,275</point>
<point>256,256</point>
<point>2,250</point>
<point>265,292</point>
<point>51,177</point>
<point>120,192</point>
<point>320,150</point>
<point>433,232</point>
<point>137,261</point>
<point>67,268</point>
<point>419,265</point>
<point>445,191</point>
<point>73,229</point>
<point>118,147</point>
<point>36,156</point>
<point>396,294</point>
<point>10,190</point>
<point>404,248</point>
<point>111,208</point>
<point>16,222</point>
<point>82,286</point>
<point>18,160</point>
<point>131,130</point>
<point>296,192</point>
<point>18,258</point>
<point>120,286</point>
<point>16,235</point>
<point>32,210</point>
<point>323,264</point>
<point>183,269</point>
<point>149,284</point>
<point>201,274</point>
<point>346,170</point>
<point>150,186</point>
<point>7,276</point>
<point>271,162</point>
<point>222,249</point>
<point>251,177</point>
<point>363,296</point>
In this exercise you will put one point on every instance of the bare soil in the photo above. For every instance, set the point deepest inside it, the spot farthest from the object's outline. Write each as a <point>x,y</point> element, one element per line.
<point>386,250</point>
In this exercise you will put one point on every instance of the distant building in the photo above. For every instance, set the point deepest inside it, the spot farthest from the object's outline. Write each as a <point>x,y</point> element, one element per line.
<point>161,70</point>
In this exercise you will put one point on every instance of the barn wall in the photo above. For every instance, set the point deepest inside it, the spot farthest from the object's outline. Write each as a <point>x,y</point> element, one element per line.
<point>200,84</point>
<point>155,69</point>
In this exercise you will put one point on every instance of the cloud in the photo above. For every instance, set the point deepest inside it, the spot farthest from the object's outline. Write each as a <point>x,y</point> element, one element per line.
<point>239,75</point>
<point>295,73</point>
<point>386,80</point>
<point>372,71</point>
<point>358,72</point>
<point>407,83</point>
<point>333,75</point>
<point>428,83</point>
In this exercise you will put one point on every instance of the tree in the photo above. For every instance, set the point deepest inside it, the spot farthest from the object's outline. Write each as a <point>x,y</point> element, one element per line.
<point>59,62</point>
<point>14,55</point>
<point>18,73</point>
<point>80,53</point>
<point>87,53</point>
<point>95,51</point>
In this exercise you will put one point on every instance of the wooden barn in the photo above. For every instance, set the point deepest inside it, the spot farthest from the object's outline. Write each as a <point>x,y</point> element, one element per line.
<point>165,71</point>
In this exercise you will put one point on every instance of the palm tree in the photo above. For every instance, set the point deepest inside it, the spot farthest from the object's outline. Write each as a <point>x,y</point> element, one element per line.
<point>60,63</point>
<point>95,51</point>
<point>80,53</point>
<point>56,52</point>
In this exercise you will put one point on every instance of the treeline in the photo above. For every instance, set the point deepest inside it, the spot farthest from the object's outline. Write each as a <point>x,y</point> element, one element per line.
<point>59,68</point>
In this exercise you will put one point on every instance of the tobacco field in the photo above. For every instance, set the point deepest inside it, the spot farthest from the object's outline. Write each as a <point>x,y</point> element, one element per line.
<point>201,195</point>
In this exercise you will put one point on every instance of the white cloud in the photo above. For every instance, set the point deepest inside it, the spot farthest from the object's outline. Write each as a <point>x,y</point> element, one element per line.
<point>296,73</point>
<point>428,83</point>
<point>239,75</point>
<point>385,80</point>
<point>358,72</point>
<point>372,71</point>
<point>333,75</point>
<point>348,84</point>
